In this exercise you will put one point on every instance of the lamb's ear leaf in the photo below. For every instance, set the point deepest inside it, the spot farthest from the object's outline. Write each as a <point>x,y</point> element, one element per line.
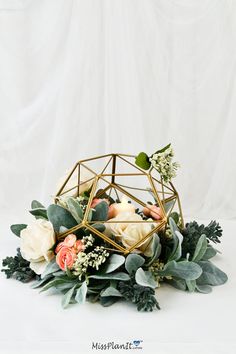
<point>60,216</point>
<point>204,289</point>
<point>211,275</point>
<point>113,263</point>
<point>17,228</point>
<point>142,160</point>
<point>183,269</point>
<point>145,278</point>
<point>67,297</point>
<point>81,293</point>
<point>133,262</point>
<point>200,249</point>
<point>75,209</point>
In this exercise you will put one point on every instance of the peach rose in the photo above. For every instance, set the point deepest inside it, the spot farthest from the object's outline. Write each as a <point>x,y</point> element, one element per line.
<point>154,211</point>
<point>66,257</point>
<point>68,242</point>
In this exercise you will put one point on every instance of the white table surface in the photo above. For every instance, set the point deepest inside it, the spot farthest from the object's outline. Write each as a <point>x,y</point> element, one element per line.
<point>33,323</point>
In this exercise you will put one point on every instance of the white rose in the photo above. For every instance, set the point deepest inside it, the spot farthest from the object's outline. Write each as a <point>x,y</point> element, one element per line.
<point>130,233</point>
<point>86,182</point>
<point>117,228</point>
<point>37,239</point>
<point>136,232</point>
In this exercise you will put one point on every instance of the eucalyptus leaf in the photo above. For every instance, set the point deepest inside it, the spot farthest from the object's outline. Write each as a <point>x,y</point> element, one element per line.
<point>59,216</point>
<point>200,249</point>
<point>17,228</point>
<point>133,262</point>
<point>111,291</point>
<point>145,278</point>
<point>39,213</point>
<point>67,297</point>
<point>100,212</point>
<point>183,269</point>
<point>111,276</point>
<point>114,262</point>
<point>81,293</point>
<point>142,160</point>
<point>35,205</point>
<point>211,275</point>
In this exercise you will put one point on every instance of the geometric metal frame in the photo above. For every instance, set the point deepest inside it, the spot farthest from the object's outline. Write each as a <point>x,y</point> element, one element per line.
<point>165,195</point>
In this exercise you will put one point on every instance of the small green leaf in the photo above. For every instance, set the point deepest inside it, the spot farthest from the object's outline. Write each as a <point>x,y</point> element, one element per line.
<point>101,212</point>
<point>142,160</point>
<point>81,293</point>
<point>145,278</point>
<point>35,205</point>
<point>163,149</point>
<point>114,262</point>
<point>111,276</point>
<point>17,228</point>
<point>133,262</point>
<point>183,269</point>
<point>211,275</point>
<point>111,291</point>
<point>200,249</point>
<point>67,297</point>
<point>59,216</point>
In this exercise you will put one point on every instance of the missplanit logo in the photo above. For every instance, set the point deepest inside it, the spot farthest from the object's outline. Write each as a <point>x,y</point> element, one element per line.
<point>129,345</point>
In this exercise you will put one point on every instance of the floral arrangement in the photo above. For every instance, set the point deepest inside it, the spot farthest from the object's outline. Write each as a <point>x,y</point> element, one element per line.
<point>100,242</point>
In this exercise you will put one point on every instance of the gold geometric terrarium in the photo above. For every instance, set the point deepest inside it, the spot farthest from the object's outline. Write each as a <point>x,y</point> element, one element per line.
<point>117,176</point>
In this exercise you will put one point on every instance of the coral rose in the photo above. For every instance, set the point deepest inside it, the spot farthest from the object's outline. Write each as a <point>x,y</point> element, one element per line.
<point>66,257</point>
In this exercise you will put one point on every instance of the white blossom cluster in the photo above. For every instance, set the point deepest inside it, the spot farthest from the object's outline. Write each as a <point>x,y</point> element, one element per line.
<point>162,162</point>
<point>92,259</point>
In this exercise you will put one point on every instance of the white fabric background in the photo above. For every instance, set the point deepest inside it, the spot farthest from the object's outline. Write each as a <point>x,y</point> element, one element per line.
<point>85,77</point>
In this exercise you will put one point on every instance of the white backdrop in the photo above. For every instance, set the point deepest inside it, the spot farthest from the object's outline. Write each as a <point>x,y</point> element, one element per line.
<point>85,77</point>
